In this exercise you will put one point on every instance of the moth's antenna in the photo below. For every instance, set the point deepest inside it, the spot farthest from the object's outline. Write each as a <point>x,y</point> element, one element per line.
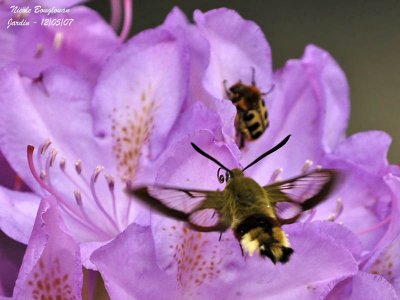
<point>272,150</point>
<point>209,157</point>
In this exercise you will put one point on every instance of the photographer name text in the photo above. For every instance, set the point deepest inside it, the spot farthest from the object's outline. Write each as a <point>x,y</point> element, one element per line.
<point>21,14</point>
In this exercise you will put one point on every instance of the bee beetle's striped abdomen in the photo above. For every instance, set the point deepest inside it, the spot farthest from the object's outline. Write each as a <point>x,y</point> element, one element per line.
<point>261,233</point>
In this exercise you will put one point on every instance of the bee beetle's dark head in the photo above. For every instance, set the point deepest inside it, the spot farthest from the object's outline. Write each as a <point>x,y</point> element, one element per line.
<point>237,88</point>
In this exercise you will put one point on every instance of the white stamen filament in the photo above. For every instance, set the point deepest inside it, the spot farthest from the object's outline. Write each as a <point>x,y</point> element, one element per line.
<point>76,211</point>
<point>65,205</point>
<point>78,169</point>
<point>111,185</point>
<point>128,209</point>
<point>338,210</point>
<point>311,215</point>
<point>376,226</point>
<point>78,199</point>
<point>129,186</point>
<point>93,180</point>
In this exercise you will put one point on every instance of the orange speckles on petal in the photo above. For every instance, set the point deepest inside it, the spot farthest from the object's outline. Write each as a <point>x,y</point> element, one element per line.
<point>387,265</point>
<point>46,284</point>
<point>194,266</point>
<point>130,130</point>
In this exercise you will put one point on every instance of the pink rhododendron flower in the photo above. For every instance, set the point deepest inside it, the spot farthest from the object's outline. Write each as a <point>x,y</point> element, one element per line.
<point>96,127</point>
<point>310,101</point>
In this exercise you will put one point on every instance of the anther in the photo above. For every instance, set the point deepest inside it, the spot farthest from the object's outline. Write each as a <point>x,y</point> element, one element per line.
<point>318,167</point>
<point>58,38</point>
<point>338,210</point>
<point>53,155</point>
<point>78,167</point>
<point>62,163</point>
<point>43,148</point>
<point>110,182</point>
<point>307,166</point>
<point>39,51</point>
<point>44,180</point>
<point>96,172</point>
<point>275,175</point>
<point>78,197</point>
<point>311,215</point>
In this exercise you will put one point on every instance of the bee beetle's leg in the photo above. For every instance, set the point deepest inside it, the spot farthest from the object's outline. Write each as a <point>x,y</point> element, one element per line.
<point>220,236</point>
<point>227,91</point>
<point>241,144</point>
<point>241,249</point>
<point>253,76</point>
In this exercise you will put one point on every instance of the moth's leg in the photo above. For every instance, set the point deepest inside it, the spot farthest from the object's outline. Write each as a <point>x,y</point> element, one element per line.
<point>253,76</point>
<point>220,236</point>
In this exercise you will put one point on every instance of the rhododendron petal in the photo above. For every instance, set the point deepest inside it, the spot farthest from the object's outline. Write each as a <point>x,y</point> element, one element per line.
<point>51,264</point>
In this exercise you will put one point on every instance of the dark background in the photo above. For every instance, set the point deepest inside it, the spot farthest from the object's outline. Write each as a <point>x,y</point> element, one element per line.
<point>363,36</point>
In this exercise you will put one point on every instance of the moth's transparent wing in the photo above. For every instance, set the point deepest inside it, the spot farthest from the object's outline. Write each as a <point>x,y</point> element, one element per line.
<point>201,209</point>
<point>294,196</point>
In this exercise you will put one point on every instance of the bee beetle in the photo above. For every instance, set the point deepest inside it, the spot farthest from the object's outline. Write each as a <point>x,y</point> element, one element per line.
<point>252,117</point>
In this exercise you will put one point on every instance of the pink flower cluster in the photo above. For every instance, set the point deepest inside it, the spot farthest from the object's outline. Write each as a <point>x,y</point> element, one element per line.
<point>84,114</point>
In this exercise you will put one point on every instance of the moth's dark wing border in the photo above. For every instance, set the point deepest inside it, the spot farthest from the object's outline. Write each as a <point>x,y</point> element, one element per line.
<point>180,204</point>
<point>144,196</point>
<point>305,191</point>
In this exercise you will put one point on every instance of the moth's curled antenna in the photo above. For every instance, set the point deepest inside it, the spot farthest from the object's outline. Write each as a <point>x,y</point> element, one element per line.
<point>223,178</point>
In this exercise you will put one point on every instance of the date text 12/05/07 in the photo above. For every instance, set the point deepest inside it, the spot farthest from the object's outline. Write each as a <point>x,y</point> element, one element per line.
<point>56,22</point>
